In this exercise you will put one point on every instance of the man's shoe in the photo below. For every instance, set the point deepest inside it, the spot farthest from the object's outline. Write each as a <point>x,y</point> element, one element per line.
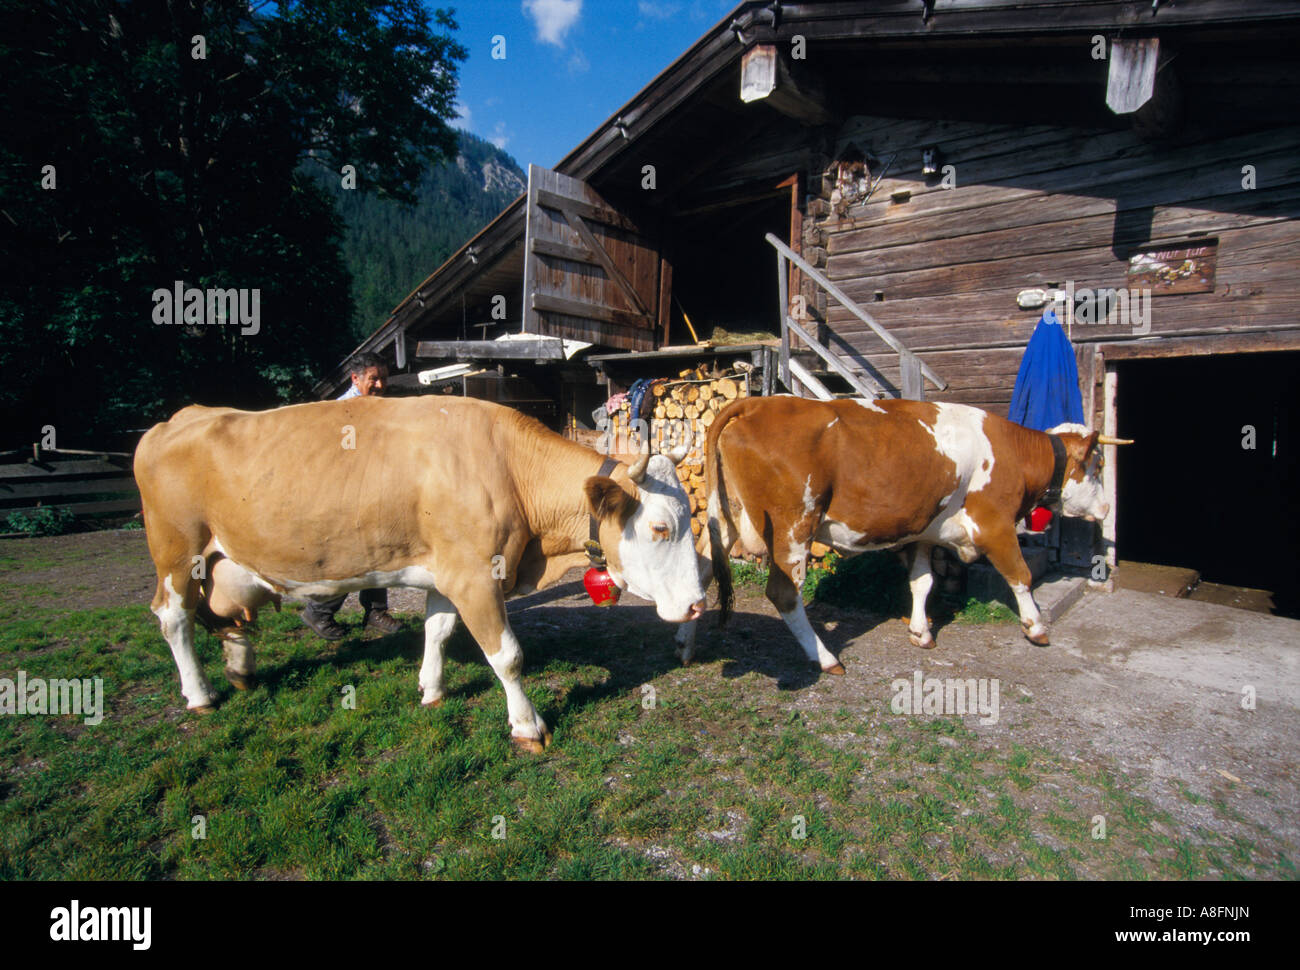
<point>383,621</point>
<point>327,628</point>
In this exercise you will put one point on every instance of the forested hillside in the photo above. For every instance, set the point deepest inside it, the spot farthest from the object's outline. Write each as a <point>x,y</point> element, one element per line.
<point>390,248</point>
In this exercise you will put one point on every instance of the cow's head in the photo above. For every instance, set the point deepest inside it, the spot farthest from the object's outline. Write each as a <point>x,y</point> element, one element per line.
<point>645,531</point>
<point>1082,493</point>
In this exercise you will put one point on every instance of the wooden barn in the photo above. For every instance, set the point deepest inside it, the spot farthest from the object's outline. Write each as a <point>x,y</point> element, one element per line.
<point>882,197</point>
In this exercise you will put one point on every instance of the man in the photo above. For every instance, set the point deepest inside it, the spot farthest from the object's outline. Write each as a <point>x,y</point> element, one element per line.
<point>369,378</point>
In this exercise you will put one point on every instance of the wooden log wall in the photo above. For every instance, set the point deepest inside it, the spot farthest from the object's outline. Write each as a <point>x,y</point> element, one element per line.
<point>1037,206</point>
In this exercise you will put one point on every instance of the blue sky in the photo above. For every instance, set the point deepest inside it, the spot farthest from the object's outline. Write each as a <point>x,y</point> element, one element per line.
<point>568,66</point>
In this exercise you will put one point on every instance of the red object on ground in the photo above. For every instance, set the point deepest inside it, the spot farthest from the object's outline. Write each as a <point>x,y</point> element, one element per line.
<point>1039,519</point>
<point>600,587</point>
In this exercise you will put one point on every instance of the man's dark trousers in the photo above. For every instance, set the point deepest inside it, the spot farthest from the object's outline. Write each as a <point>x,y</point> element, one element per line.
<point>372,601</point>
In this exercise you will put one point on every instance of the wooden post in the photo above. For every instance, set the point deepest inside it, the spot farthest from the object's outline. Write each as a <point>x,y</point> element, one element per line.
<point>782,285</point>
<point>529,321</point>
<point>665,299</point>
<point>1110,478</point>
<point>913,383</point>
<point>1132,78</point>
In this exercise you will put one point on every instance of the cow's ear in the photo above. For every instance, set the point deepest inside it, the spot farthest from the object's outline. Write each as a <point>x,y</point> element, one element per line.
<point>1080,446</point>
<point>608,499</point>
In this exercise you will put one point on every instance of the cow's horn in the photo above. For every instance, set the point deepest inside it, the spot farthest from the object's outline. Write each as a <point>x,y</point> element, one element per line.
<point>1103,439</point>
<point>637,471</point>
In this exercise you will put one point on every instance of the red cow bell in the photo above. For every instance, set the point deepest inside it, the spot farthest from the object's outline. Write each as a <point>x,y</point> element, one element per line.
<point>1039,519</point>
<point>601,587</point>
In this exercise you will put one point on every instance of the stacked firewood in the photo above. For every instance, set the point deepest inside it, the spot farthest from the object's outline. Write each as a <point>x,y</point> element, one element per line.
<point>683,408</point>
<point>683,411</point>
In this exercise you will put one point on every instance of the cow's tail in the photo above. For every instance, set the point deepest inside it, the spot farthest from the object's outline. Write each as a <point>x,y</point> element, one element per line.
<point>715,488</point>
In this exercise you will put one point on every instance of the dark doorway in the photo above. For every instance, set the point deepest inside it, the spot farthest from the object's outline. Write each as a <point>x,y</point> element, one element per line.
<point>724,271</point>
<point>1190,493</point>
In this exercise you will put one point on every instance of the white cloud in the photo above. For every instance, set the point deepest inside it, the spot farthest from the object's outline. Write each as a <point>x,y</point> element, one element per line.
<point>499,136</point>
<point>464,117</point>
<point>657,9</point>
<point>553,18</point>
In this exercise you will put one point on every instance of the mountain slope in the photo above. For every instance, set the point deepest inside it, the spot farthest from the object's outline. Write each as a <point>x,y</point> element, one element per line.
<point>389,249</point>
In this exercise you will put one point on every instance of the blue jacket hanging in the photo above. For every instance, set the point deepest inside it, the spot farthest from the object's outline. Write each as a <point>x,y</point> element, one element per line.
<point>1047,387</point>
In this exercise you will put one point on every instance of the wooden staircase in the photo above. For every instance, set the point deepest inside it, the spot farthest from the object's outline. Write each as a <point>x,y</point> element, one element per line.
<point>807,372</point>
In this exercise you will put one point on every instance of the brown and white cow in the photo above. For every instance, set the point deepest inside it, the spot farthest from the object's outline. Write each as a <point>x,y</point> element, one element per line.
<point>861,475</point>
<point>467,500</point>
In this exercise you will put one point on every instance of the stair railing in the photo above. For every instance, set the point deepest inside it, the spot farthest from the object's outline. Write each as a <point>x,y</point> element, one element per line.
<point>914,370</point>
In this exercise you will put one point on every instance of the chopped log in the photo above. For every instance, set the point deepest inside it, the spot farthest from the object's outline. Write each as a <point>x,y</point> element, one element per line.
<point>672,410</point>
<point>709,416</point>
<point>819,550</point>
<point>659,390</point>
<point>728,388</point>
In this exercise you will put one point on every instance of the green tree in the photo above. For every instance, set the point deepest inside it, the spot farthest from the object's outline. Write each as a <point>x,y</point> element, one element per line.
<point>174,135</point>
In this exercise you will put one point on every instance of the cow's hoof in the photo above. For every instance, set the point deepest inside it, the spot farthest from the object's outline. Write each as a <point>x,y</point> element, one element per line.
<point>1039,639</point>
<point>925,642</point>
<point>530,745</point>
<point>241,681</point>
<point>433,703</point>
<point>203,709</point>
<point>837,670</point>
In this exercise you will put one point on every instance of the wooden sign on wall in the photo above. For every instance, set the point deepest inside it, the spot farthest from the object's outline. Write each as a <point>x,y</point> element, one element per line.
<point>1185,269</point>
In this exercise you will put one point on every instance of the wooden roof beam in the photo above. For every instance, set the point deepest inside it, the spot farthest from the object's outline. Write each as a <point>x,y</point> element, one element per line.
<point>798,93</point>
<point>542,348</point>
<point>1141,85</point>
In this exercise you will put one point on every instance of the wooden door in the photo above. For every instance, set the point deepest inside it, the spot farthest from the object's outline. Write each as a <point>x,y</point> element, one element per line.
<point>589,273</point>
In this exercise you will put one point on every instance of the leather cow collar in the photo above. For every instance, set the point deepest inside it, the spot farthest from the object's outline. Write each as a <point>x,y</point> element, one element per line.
<point>1052,496</point>
<point>595,554</point>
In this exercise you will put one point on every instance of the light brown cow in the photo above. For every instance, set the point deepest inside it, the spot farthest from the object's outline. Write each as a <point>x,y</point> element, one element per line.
<point>861,475</point>
<point>467,500</point>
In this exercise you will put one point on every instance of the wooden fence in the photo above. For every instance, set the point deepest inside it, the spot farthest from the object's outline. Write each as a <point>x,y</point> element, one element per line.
<point>90,484</point>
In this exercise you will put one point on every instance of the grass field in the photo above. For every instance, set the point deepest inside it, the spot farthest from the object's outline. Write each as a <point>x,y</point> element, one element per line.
<point>656,771</point>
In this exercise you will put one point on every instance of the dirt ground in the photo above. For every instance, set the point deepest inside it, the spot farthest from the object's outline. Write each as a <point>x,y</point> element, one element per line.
<point>1153,686</point>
